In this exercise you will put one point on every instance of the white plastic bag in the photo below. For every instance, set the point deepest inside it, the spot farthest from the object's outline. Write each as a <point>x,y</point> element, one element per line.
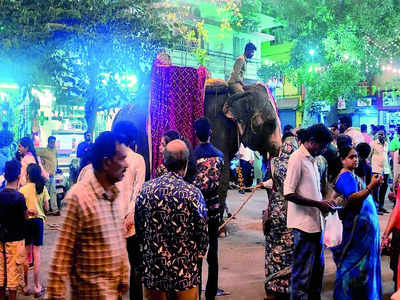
<point>333,230</point>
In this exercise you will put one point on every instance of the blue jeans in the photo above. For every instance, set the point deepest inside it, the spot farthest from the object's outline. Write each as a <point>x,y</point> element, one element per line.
<point>308,266</point>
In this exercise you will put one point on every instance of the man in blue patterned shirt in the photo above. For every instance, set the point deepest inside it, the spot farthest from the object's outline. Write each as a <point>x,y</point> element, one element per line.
<point>210,162</point>
<point>171,228</point>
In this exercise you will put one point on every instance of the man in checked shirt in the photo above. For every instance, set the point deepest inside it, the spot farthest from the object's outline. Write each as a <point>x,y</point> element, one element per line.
<point>91,249</point>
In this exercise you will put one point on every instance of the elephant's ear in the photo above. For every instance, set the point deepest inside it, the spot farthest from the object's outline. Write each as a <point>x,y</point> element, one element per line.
<point>241,106</point>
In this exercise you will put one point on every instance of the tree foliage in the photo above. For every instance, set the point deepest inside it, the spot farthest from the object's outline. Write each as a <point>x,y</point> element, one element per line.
<point>350,40</point>
<point>87,49</point>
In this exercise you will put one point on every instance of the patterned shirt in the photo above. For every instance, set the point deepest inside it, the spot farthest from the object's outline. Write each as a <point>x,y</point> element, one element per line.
<point>171,227</point>
<point>210,163</point>
<point>91,249</point>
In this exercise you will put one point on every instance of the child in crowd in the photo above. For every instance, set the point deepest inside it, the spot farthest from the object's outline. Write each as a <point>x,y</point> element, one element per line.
<point>37,200</point>
<point>12,217</point>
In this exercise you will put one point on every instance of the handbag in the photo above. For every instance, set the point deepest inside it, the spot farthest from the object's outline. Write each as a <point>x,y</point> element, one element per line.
<point>333,230</point>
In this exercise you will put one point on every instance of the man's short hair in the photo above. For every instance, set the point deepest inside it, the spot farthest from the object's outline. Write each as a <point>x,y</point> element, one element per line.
<point>334,126</point>
<point>51,138</point>
<point>127,130</point>
<point>250,47</point>
<point>12,170</point>
<point>364,128</point>
<point>346,120</point>
<point>343,140</point>
<point>382,127</point>
<point>302,135</point>
<point>363,150</point>
<point>202,129</point>
<point>176,161</point>
<point>103,147</point>
<point>319,133</point>
<point>287,128</point>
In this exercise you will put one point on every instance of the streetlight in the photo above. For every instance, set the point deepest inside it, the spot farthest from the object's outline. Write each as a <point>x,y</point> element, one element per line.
<point>312,52</point>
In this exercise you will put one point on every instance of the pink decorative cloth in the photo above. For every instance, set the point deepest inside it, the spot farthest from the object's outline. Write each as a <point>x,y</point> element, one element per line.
<point>176,101</point>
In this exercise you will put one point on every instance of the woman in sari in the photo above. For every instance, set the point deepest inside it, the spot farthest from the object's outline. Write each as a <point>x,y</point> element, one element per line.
<point>278,238</point>
<point>357,258</point>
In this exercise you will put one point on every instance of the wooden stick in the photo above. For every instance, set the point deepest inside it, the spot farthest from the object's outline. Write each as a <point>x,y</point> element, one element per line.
<point>240,207</point>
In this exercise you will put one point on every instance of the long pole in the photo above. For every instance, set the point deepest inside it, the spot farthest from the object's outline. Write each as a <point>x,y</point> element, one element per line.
<point>240,207</point>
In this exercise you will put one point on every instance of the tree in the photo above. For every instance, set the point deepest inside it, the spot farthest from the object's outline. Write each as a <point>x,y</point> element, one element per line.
<point>90,51</point>
<point>93,52</point>
<point>346,41</point>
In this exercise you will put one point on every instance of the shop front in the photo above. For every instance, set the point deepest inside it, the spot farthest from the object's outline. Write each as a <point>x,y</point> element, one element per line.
<point>389,108</point>
<point>288,114</point>
<point>363,111</point>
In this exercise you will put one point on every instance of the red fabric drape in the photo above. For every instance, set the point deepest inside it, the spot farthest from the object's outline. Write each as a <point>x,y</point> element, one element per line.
<point>176,101</point>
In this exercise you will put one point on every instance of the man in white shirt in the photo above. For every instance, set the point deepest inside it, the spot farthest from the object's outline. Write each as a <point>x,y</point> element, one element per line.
<point>303,191</point>
<point>380,166</point>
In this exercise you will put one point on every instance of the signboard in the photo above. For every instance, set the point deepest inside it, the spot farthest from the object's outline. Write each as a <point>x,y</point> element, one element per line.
<point>391,98</point>
<point>341,103</point>
<point>364,102</point>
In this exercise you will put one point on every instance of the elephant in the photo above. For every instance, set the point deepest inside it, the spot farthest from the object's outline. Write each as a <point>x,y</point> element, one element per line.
<point>253,113</point>
<point>253,110</point>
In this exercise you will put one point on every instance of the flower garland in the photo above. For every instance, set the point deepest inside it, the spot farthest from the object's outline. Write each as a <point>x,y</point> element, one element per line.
<point>240,179</point>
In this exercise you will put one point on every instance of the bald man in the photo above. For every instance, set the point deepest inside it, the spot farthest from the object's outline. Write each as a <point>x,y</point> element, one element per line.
<point>171,229</point>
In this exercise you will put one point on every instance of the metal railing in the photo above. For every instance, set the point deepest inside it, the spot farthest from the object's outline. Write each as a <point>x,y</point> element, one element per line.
<point>218,63</point>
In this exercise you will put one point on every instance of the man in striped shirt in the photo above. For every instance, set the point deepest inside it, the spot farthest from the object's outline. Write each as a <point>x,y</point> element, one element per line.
<point>91,249</point>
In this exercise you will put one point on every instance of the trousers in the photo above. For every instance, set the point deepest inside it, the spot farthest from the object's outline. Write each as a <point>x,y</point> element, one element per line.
<point>308,266</point>
<point>190,294</point>
<point>212,259</point>
<point>135,284</point>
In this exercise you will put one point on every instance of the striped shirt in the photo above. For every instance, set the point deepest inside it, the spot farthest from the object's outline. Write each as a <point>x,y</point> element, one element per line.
<point>128,187</point>
<point>91,249</point>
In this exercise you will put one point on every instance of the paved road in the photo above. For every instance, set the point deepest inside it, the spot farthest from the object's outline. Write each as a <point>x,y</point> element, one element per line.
<point>241,254</point>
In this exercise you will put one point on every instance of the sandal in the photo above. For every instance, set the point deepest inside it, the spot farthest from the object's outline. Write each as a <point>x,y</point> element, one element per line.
<point>40,293</point>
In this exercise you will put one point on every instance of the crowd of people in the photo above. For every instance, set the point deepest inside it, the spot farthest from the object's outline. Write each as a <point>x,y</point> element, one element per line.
<point>324,170</point>
<point>121,233</point>
<point>116,227</point>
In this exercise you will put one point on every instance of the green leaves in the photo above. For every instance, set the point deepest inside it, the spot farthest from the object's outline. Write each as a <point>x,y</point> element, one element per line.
<point>351,40</point>
<point>74,45</point>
